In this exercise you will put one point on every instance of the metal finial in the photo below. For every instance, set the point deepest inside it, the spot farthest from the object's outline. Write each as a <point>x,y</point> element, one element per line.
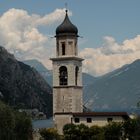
<point>66,6</point>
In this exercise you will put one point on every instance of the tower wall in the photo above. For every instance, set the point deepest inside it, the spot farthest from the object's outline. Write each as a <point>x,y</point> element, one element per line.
<point>67,74</point>
<point>70,46</point>
<point>71,66</point>
<point>61,120</point>
<point>67,99</point>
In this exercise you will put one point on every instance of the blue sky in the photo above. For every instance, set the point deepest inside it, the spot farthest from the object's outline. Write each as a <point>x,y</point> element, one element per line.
<point>107,26</point>
<point>94,18</point>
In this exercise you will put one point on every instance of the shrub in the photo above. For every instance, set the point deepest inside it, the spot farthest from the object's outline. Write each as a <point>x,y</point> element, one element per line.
<point>49,134</point>
<point>113,131</point>
<point>14,125</point>
<point>96,133</point>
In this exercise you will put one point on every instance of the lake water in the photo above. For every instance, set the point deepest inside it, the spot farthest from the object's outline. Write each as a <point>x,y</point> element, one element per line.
<point>43,123</point>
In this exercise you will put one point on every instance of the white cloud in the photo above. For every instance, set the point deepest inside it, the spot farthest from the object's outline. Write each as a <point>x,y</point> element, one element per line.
<point>52,17</point>
<point>20,34</point>
<point>110,55</point>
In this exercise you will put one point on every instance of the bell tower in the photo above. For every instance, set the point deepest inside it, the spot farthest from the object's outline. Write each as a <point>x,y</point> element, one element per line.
<point>67,70</point>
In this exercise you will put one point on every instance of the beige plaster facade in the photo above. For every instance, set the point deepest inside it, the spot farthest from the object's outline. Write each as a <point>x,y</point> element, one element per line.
<point>70,42</point>
<point>67,99</point>
<point>98,120</point>
<point>71,63</point>
<point>61,120</point>
<point>88,118</point>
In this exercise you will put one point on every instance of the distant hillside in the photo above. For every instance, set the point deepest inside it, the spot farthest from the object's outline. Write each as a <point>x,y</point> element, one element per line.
<point>22,86</point>
<point>37,65</point>
<point>87,81</point>
<point>118,90</point>
<point>47,74</point>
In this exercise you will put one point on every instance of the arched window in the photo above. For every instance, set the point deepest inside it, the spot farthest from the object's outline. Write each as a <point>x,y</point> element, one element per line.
<point>63,75</point>
<point>76,75</point>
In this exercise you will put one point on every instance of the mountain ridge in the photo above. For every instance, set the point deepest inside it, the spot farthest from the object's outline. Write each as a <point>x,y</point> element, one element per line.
<point>116,90</point>
<point>108,92</point>
<point>21,86</point>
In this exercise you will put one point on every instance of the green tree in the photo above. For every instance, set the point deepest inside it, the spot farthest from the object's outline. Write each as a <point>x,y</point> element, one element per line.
<point>23,126</point>
<point>113,131</point>
<point>82,132</point>
<point>137,129</point>
<point>49,134</point>
<point>96,133</point>
<point>14,125</point>
<point>7,122</point>
<point>76,132</point>
<point>70,132</point>
<point>132,129</point>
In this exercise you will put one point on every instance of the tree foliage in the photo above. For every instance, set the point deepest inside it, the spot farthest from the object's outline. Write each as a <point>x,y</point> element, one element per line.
<point>49,134</point>
<point>70,131</point>
<point>129,129</point>
<point>96,133</point>
<point>7,122</point>
<point>14,125</point>
<point>113,131</point>
<point>132,129</point>
<point>83,131</point>
<point>23,126</point>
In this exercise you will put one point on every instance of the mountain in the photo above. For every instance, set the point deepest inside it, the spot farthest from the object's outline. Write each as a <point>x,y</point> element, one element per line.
<point>37,65</point>
<point>22,86</point>
<point>87,81</point>
<point>118,90</point>
<point>46,74</point>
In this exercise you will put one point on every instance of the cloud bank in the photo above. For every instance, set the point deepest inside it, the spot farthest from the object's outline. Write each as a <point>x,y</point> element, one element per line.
<point>20,34</point>
<point>110,55</point>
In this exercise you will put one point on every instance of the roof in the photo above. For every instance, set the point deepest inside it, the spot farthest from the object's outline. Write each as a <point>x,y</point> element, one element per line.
<point>95,114</point>
<point>99,114</point>
<point>66,27</point>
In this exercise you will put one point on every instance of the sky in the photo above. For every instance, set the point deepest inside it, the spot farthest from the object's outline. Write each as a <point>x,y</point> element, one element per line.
<point>109,30</point>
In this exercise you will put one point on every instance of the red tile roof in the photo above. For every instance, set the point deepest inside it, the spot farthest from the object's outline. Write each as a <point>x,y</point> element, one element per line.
<point>94,114</point>
<point>100,114</point>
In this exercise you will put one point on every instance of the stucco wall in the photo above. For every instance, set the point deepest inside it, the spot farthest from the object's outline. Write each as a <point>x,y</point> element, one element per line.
<point>70,46</point>
<point>99,121</point>
<point>70,65</point>
<point>60,121</point>
<point>67,99</point>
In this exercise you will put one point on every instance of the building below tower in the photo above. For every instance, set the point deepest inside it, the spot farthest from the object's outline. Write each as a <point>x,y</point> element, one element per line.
<point>88,118</point>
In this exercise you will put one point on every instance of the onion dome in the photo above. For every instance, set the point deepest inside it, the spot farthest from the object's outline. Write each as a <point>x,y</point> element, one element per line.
<point>66,27</point>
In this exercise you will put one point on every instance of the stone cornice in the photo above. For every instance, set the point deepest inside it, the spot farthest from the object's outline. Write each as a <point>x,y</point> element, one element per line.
<point>66,86</point>
<point>63,58</point>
